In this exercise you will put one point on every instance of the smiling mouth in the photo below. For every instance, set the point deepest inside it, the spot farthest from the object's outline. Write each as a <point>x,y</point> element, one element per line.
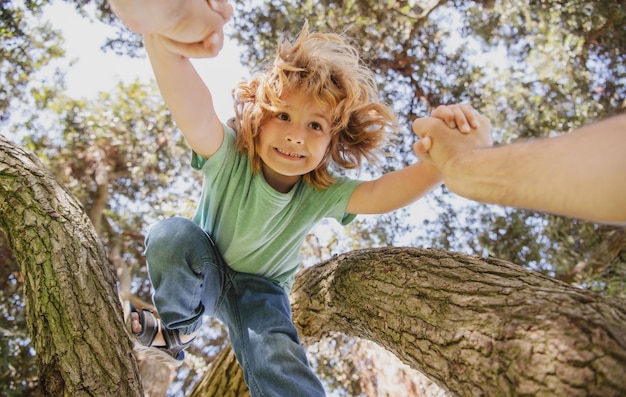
<point>294,155</point>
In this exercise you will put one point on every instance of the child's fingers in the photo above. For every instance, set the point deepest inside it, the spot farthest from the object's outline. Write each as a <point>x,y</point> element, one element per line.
<point>446,114</point>
<point>459,118</point>
<point>464,117</point>
<point>470,115</point>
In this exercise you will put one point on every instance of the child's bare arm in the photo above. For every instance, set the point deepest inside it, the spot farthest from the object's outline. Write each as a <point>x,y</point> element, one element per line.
<point>187,97</point>
<point>394,190</point>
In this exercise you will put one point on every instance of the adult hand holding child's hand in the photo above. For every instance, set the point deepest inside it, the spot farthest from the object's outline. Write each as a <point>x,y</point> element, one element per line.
<point>192,28</point>
<point>450,133</point>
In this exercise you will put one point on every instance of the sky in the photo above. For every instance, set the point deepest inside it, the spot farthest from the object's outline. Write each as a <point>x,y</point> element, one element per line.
<point>96,71</point>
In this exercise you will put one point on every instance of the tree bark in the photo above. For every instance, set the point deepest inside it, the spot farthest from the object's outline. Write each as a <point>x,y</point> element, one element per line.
<point>477,327</point>
<point>73,309</point>
<point>224,378</point>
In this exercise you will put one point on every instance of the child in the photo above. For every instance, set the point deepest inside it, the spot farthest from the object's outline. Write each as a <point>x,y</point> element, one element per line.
<point>267,182</point>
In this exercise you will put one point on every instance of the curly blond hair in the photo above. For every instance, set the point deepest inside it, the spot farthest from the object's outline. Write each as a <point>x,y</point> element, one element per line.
<point>327,69</point>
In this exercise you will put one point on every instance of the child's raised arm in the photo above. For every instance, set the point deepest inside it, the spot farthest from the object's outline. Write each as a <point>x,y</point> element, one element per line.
<point>186,95</point>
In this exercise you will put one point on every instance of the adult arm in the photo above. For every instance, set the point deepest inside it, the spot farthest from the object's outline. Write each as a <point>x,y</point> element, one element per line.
<point>194,27</point>
<point>187,97</point>
<point>581,174</point>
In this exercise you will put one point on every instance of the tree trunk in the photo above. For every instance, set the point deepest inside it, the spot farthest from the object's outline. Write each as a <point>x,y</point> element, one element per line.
<point>224,378</point>
<point>476,327</point>
<point>73,309</point>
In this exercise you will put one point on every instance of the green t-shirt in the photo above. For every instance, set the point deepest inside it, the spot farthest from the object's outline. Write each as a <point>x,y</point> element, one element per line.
<point>256,228</point>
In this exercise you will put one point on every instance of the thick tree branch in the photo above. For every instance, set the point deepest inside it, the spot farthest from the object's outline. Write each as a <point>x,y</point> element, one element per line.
<point>476,327</point>
<point>224,378</point>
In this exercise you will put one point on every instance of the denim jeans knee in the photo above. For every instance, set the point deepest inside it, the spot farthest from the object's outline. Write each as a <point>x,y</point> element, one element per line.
<point>186,273</point>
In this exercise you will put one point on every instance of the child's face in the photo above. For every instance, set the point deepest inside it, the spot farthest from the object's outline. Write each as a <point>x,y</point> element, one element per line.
<point>293,141</point>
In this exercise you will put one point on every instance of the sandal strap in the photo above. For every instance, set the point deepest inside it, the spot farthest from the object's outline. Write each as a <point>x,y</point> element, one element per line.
<point>173,345</point>
<point>149,327</point>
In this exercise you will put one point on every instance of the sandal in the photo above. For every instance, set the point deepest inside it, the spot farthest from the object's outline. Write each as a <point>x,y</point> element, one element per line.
<point>171,354</point>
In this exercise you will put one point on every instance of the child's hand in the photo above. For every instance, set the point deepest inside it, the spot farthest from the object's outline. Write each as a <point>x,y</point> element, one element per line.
<point>462,116</point>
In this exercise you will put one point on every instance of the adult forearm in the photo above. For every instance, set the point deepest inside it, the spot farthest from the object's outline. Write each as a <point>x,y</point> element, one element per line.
<point>581,174</point>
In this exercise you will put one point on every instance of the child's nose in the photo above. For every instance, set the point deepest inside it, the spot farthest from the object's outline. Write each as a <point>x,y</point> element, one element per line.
<point>296,136</point>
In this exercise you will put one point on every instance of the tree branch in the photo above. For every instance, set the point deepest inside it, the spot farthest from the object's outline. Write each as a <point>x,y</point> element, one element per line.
<point>476,327</point>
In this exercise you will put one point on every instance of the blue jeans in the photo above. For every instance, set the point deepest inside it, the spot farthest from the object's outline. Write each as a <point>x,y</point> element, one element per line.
<point>190,279</point>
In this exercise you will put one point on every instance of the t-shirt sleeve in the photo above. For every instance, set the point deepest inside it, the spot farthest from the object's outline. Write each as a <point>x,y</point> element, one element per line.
<point>342,190</point>
<point>198,162</point>
<point>347,218</point>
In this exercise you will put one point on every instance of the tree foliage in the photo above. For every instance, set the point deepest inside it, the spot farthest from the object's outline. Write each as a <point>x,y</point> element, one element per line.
<point>25,48</point>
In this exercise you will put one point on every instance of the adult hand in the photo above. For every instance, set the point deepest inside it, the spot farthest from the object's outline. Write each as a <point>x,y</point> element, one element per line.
<point>192,28</point>
<point>441,144</point>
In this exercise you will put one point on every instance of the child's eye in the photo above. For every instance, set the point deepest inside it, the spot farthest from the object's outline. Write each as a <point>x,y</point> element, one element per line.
<point>283,116</point>
<point>316,126</point>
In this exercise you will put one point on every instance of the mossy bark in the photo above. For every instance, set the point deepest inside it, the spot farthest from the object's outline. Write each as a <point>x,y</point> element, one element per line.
<point>224,378</point>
